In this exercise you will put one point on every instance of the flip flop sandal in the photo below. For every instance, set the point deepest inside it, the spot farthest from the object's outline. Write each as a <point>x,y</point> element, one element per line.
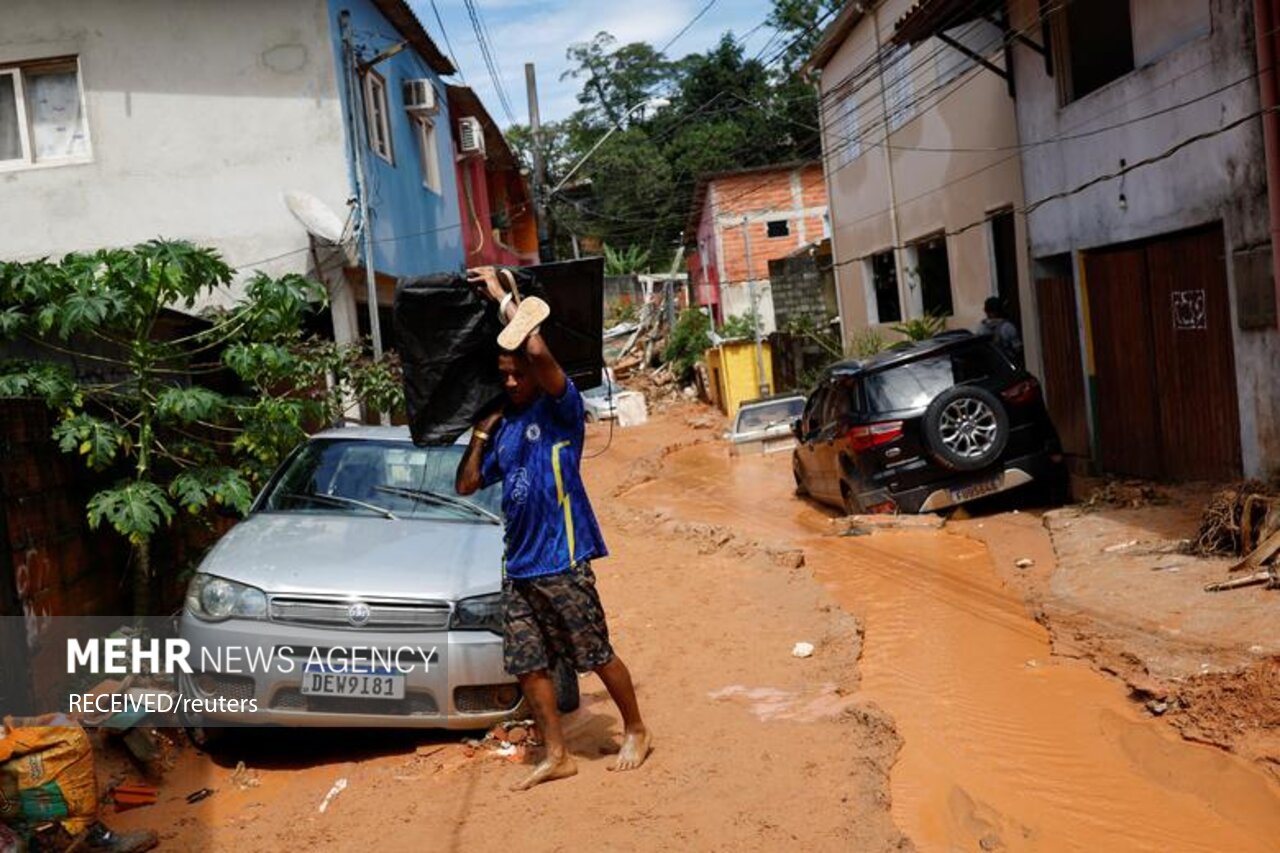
<point>529,315</point>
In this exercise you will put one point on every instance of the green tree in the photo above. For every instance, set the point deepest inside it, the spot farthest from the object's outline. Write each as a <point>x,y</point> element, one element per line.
<point>614,79</point>
<point>126,397</point>
<point>689,340</point>
<point>797,22</point>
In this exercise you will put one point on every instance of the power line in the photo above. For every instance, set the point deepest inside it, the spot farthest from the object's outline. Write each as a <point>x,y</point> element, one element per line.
<point>675,38</point>
<point>491,66</point>
<point>448,45</point>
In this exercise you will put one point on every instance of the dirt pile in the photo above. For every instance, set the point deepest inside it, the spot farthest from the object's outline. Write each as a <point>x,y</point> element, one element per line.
<point>1240,710</point>
<point>1131,494</point>
<point>1237,519</point>
<point>708,539</point>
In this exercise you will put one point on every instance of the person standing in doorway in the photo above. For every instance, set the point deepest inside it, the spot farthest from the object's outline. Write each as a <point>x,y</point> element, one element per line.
<point>1001,330</point>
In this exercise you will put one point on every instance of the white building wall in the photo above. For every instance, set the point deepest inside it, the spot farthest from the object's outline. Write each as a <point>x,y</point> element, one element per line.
<point>952,150</point>
<point>1195,73</point>
<point>200,115</point>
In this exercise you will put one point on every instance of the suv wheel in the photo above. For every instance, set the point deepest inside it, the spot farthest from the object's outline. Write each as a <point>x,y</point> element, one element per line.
<point>801,488</point>
<point>852,506</point>
<point>966,428</point>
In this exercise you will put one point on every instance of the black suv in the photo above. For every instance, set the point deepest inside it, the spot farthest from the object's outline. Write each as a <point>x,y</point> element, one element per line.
<point>922,427</point>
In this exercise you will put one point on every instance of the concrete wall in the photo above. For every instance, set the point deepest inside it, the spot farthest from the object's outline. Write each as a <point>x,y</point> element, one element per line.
<point>200,115</point>
<point>416,231</point>
<point>971,172</point>
<point>797,196</point>
<point>1220,178</point>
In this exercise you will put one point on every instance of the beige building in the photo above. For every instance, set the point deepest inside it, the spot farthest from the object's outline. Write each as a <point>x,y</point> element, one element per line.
<point>923,174</point>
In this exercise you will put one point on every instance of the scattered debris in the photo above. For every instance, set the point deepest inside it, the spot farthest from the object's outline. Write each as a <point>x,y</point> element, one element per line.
<point>1237,519</point>
<point>871,523</point>
<point>197,796</point>
<point>427,750</point>
<point>338,788</point>
<point>1121,546</point>
<point>1024,563</point>
<point>1130,494</point>
<point>132,795</point>
<point>1157,708</point>
<point>244,778</point>
<point>1248,580</point>
<point>802,650</point>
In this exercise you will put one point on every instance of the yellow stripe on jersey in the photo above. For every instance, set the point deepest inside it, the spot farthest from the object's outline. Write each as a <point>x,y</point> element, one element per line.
<point>563,498</point>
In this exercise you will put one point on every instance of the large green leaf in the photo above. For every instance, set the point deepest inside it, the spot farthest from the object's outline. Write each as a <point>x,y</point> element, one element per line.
<point>93,438</point>
<point>190,404</point>
<point>133,509</point>
<point>195,489</point>
<point>51,383</point>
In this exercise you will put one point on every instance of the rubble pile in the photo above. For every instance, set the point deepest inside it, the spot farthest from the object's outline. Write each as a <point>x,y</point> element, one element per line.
<point>1124,494</point>
<point>1235,521</point>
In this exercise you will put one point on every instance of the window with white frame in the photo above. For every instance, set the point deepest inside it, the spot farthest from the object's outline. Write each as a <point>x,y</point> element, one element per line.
<point>898,85</point>
<point>42,117</point>
<point>844,142</point>
<point>377,117</point>
<point>428,153</point>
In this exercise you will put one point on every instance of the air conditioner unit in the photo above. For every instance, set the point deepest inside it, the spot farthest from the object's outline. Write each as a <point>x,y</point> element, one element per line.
<point>470,135</point>
<point>420,97</point>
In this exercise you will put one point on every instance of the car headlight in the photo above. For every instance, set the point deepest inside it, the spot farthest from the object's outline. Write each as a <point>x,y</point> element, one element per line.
<point>482,613</point>
<point>214,599</point>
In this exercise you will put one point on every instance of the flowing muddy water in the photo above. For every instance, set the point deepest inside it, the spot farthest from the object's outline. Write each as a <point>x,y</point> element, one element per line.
<point>1005,747</point>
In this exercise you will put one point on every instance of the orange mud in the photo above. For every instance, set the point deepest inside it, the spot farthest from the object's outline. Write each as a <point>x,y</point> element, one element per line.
<point>1004,746</point>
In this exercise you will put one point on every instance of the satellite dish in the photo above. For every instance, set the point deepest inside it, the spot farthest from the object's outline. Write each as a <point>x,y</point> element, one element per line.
<point>316,216</point>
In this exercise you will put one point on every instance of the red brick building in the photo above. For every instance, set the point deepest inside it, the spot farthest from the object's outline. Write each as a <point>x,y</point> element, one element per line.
<point>775,209</point>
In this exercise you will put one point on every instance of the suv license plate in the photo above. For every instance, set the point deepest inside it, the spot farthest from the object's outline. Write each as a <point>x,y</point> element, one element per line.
<point>977,490</point>
<point>353,685</point>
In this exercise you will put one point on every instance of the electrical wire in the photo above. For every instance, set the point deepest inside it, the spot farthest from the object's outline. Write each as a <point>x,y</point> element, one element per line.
<point>448,45</point>
<point>675,38</point>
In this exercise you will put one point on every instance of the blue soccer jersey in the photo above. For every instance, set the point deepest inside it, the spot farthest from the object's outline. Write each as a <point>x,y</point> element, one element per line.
<point>550,526</point>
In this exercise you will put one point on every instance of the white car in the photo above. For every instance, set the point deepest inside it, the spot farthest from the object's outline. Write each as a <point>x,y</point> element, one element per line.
<point>764,425</point>
<point>358,542</point>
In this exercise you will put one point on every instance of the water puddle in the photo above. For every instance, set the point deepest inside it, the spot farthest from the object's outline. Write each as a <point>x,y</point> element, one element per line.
<point>1005,747</point>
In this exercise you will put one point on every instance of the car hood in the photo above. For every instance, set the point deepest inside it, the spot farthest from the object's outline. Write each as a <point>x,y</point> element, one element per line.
<point>366,556</point>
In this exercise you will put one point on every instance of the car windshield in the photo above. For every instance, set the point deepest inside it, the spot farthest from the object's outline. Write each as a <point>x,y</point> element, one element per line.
<point>765,415</point>
<point>394,479</point>
<point>914,385</point>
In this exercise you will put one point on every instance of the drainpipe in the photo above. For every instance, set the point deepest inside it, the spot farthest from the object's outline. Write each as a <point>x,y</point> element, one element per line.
<point>1266,15</point>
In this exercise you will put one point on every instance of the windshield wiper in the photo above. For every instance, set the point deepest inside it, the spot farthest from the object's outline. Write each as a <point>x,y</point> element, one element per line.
<point>440,500</point>
<point>339,500</point>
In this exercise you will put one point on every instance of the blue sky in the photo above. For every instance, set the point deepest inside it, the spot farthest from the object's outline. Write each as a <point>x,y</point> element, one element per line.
<point>539,31</point>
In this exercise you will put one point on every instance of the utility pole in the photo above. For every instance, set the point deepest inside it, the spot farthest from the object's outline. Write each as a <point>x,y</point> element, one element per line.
<point>755,310</point>
<point>545,250</point>
<point>360,132</point>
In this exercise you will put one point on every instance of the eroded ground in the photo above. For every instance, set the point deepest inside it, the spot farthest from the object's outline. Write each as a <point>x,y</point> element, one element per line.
<point>933,713</point>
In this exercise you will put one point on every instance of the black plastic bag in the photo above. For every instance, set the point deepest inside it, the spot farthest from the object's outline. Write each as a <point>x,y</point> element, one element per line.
<point>448,340</point>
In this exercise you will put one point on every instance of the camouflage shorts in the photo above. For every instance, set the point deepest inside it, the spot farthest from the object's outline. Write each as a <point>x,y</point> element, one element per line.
<point>551,618</point>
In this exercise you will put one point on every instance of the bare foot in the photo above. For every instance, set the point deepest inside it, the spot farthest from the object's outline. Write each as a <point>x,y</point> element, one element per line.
<point>549,770</point>
<point>635,749</point>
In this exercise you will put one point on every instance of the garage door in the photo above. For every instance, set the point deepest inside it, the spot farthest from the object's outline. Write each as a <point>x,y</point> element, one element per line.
<point>1165,368</point>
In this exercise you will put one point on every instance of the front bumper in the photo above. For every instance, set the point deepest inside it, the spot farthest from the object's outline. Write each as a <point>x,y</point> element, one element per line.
<point>463,686</point>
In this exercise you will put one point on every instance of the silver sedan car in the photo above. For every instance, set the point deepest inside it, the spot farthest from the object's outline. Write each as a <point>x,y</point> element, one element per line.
<point>764,425</point>
<point>360,590</point>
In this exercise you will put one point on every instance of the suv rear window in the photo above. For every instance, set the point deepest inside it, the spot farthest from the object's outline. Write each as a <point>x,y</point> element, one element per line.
<point>915,384</point>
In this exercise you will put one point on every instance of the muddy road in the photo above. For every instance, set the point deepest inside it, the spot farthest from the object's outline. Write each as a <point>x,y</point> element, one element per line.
<point>932,714</point>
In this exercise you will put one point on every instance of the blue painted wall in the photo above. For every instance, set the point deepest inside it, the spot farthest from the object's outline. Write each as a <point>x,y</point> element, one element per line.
<point>415,230</point>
